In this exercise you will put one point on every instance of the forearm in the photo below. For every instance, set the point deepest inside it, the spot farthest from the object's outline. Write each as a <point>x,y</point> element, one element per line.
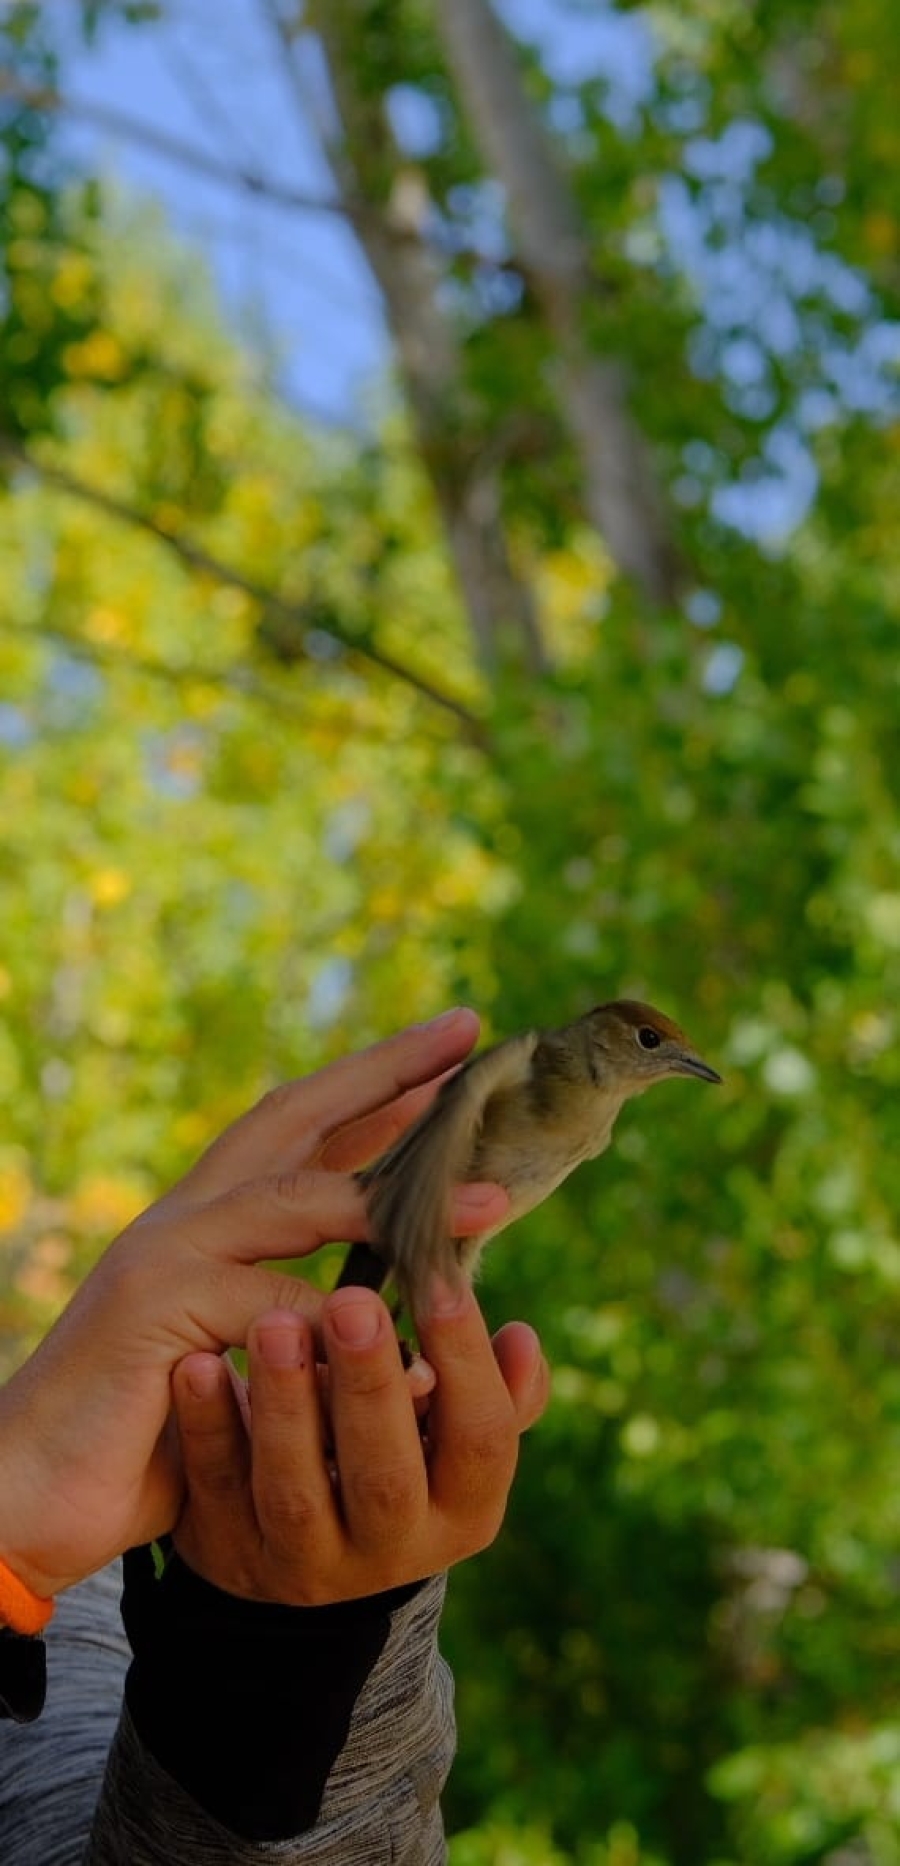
<point>329,1734</point>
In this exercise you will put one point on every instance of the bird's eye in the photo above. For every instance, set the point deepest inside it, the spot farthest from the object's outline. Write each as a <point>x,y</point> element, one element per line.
<point>648,1038</point>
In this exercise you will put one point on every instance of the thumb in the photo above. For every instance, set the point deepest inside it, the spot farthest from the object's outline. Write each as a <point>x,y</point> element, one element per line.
<point>229,1296</point>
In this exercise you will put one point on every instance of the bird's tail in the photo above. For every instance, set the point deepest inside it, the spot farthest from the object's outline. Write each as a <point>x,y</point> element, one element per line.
<point>364,1267</point>
<point>409,1189</point>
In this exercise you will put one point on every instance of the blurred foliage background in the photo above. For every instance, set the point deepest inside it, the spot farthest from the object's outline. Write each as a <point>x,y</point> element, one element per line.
<point>566,667</point>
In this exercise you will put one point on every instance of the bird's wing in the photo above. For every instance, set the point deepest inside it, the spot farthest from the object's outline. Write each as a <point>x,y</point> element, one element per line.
<point>408,1189</point>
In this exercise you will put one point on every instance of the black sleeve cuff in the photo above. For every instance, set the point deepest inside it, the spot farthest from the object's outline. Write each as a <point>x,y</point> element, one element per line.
<point>246,1704</point>
<point>23,1675</point>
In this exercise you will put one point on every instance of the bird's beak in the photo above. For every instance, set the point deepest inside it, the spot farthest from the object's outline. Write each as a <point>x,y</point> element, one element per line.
<point>686,1063</point>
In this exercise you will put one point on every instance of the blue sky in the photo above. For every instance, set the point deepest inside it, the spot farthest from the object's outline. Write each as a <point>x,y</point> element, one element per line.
<point>301,278</point>
<point>298,281</point>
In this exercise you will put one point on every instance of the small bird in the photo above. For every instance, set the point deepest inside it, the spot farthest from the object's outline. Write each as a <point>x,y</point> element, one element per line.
<point>523,1115</point>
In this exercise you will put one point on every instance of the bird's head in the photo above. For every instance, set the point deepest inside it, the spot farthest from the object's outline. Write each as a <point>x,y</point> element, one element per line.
<point>633,1045</point>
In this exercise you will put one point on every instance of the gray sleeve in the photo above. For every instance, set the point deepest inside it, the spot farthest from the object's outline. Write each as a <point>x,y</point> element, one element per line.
<point>381,1801</point>
<point>78,1788</point>
<point>51,1771</point>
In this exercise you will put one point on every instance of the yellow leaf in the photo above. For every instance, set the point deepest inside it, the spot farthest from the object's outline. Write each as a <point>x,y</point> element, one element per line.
<point>83,787</point>
<point>108,886</point>
<point>105,1203</point>
<point>106,625</point>
<point>71,281</point>
<point>192,1129</point>
<point>99,356</point>
<point>880,232</point>
<point>15,1196</point>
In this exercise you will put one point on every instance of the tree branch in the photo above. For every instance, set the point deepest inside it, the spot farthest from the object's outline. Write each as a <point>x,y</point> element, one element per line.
<point>239,681</point>
<point>242,180</point>
<point>311,105</point>
<point>173,148</point>
<point>303,637</point>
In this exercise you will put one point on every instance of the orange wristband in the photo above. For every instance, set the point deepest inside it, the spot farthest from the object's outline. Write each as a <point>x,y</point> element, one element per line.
<point>22,1611</point>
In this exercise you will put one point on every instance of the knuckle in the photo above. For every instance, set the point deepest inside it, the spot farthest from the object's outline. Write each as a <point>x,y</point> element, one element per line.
<point>317,1197</point>
<point>130,1273</point>
<point>288,1517</point>
<point>280,1100</point>
<point>291,1191</point>
<point>291,1187</point>
<point>374,1377</point>
<point>216,1475</point>
<point>489,1446</point>
<point>383,1495</point>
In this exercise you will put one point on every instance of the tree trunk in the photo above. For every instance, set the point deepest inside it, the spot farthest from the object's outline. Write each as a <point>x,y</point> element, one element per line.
<point>621,497</point>
<point>391,225</point>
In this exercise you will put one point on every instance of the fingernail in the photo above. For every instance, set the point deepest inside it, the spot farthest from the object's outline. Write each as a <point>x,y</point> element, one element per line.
<point>446,1299</point>
<point>355,1318</point>
<point>203,1377</point>
<point>279,1346</point>
<point>475,1196</point>
<point>537,1368</point>
<point>542,1378</point>
<point>446,1017</point>
<point>421,1376</point>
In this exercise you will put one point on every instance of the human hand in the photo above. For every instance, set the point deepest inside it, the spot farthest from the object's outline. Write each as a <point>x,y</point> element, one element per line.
<point>308,1510</point>
<point>86,1468</point>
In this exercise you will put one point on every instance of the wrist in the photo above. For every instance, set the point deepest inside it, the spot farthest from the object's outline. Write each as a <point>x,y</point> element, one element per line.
<point>20,1549</point>
<point>22,1554</point>
<point>25,1517</point>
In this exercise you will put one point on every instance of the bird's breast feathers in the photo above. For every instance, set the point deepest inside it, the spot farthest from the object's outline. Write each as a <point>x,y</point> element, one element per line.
<point>532,1158</point>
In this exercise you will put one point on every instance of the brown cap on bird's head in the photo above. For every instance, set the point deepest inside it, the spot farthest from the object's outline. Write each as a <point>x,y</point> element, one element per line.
<point>644,1043</point>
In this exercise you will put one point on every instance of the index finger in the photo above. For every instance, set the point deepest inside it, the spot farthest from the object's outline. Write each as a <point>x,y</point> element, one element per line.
<point>357,1142</point>
<point>293,1121</point>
